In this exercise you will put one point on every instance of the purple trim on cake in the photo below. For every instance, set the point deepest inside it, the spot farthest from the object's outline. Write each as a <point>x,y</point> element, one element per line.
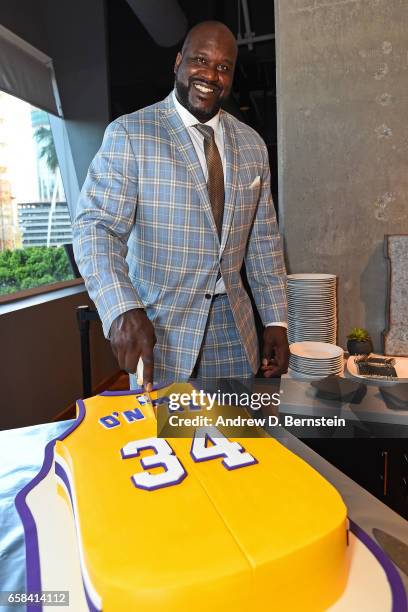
<point>119,393</point>
<point>78,420</point>
<point>91,606</point>
<point>135,391</point>
<point>59,470</point>
<point>399,596</point>
<point>33,571</point>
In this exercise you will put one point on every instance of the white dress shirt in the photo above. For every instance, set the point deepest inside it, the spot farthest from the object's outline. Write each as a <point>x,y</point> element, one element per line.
<point>198,142</point>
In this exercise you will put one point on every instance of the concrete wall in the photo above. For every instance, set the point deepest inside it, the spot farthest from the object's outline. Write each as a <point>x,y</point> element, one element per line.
<point>343,136</point>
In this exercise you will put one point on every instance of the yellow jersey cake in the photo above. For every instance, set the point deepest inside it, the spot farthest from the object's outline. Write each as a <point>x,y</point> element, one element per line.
<point>124,517</point>
<point>209,522</point>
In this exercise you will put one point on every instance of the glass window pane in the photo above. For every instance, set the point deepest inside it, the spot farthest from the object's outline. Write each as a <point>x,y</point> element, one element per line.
<point>34,216</point>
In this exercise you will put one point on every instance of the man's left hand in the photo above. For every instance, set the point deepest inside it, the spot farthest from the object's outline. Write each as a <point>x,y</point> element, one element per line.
<point>275,355</point>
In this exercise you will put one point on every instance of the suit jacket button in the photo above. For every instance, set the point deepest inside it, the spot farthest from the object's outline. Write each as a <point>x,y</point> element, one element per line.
<point>208,296</point>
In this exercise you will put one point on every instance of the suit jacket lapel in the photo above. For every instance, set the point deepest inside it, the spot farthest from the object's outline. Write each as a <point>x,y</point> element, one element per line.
<point>179,135</point>
<point>231,176</point>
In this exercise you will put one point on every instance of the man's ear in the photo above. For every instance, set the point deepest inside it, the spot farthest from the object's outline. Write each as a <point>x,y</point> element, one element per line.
<point>177,62</point>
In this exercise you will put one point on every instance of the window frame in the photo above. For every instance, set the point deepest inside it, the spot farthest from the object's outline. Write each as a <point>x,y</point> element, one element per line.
<point>9,298</point>
<point>63,150</point>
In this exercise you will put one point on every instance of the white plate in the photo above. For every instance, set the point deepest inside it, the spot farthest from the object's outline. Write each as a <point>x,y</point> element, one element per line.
<point>316,350</point>
<point>314,361</point>
<point>312,364</point>
<point>315,310</point>
<point>318,373</point>
<point>309,322</point>
<point>311,300</point>
<point>322,331</point>
<point>312,323</point>
<point>295,298</point>
<point>401,366</point>
<point>319,312</point>
<point>308,301</point>
<point>312,311</point>
<point>304,316</point>
<point>312,291</point>
<point>321,374</point>
<point>312,318</point>
<point>315,366</point>
<point>311,277</point>
<point>305,310</point>
<point>310,283</point>
<point>312,339</point>
<point>323,325</point>
<point>312,304</point>
<point>313,333</point>
<point>293,339</point>
<point>296,374</point>
<point>304,305</point>
<point>312,286</point>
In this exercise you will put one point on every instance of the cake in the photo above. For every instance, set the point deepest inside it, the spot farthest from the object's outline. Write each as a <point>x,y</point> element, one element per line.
<point>177,524</point>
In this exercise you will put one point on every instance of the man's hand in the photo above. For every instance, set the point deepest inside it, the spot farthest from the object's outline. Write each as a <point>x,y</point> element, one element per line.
<point>275,356</point>
<point>132,336</point>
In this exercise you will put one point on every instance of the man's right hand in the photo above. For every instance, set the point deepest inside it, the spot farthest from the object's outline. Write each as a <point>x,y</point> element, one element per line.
<point>132,336</point>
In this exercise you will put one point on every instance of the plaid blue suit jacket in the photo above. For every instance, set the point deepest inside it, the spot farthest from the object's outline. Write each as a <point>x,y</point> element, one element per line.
<point>144,234</point>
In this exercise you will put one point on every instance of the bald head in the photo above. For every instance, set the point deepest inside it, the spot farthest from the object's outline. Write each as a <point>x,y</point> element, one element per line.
<point>211,28</point>
<point>204,68</point>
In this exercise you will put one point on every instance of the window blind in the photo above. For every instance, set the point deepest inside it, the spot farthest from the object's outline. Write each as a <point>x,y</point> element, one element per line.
<point>27,73</point>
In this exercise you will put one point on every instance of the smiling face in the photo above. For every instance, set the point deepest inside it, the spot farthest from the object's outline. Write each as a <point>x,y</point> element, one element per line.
<point>204,69</point>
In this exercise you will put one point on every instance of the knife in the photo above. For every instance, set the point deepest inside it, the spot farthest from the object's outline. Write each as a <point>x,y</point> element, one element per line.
<point>395,548</point>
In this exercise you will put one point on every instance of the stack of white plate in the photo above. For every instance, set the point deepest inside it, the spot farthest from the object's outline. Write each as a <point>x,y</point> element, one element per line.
<point>318,359</point>
<point>312,307</point>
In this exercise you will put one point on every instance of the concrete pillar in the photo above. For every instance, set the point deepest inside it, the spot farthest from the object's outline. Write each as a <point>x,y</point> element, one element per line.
<point>342,72</point>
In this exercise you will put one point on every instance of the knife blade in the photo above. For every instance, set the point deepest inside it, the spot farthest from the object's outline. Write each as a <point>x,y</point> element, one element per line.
<point>395,548</point>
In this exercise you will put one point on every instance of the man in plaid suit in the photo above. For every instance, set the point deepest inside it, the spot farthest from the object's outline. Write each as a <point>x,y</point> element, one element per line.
<point>165,279</point>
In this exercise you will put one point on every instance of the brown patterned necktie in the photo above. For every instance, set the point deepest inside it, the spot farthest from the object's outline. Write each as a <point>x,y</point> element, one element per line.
<point>215,182</point>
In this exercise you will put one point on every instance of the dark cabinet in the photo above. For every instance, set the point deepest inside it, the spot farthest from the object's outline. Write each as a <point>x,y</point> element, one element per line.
<point>378,465</point>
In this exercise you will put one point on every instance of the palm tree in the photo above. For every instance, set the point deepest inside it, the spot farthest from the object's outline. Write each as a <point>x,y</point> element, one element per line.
<point>44,137</point>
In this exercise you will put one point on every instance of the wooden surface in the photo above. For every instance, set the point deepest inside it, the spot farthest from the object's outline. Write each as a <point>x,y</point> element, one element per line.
<point>118,382</point>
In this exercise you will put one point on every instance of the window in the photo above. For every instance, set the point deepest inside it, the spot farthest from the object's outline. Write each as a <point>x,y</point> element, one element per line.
<point>34,215</point>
